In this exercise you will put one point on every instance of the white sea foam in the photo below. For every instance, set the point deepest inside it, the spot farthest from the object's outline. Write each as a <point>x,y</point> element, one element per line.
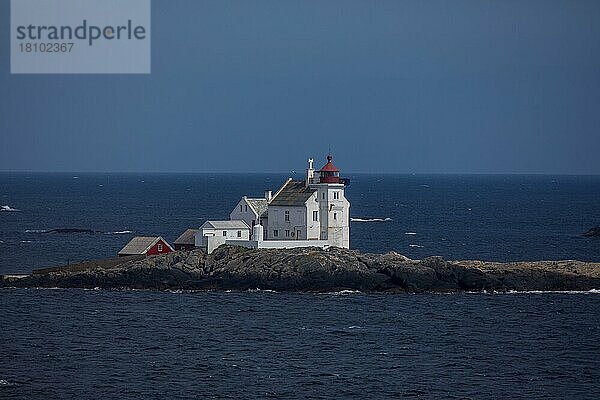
<point>119,232</point>
<point>591,291</point>
<point>26,241</point>
<point>36,230</point>
<point>344,292</point>
<point>370,219</point>
<point>8,209</point>
<point>261,291</point>
<point>415,245</point>
<point>410,233</point>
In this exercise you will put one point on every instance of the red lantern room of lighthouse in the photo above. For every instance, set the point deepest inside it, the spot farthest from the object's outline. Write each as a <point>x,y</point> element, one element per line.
<point>329,173</point>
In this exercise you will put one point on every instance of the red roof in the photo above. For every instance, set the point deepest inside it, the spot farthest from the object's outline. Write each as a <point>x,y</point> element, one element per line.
<point>329,167</point>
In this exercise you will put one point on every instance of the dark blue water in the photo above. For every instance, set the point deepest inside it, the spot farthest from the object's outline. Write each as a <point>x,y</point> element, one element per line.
<point>76,344</point>
<point>483,217</point>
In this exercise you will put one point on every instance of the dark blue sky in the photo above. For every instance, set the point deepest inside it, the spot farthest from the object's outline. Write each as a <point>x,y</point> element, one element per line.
<point>395,86</point>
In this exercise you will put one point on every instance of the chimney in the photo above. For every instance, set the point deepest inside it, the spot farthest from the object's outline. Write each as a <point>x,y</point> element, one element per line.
<point>268,195</point>
<point>310,172</point>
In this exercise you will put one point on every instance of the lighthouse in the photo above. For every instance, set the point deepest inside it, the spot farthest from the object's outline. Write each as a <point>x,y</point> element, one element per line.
<point>334,208</point>
<point>312,212</point>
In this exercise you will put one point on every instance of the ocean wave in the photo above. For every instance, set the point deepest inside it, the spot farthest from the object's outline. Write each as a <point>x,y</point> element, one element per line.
<point>344,292</point>
<point>366,219</point>
<point>76,230</point>
<point>415,245</point>
<point>26,241</point>
<point>591,291</point>
<point>261,291</point>
<point>8,209</point>
<point>410,233</point>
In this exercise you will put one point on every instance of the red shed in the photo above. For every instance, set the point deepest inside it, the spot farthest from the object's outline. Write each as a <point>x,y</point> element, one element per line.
<point>146,245</point>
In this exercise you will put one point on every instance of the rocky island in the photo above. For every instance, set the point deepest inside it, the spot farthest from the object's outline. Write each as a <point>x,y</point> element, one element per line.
<point>312,270</point>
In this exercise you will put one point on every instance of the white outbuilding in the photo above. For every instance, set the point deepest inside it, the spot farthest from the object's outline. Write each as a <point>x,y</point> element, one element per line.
<point>212,234</point>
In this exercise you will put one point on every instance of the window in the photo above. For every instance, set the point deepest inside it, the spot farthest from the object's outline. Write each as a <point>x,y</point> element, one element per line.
<point>334,215</point>
<point>246,208</point>
<point>315,215</point>
<point>239,233</point>
<point>240,208</point>
<point>275,233</point>
<point>292,233</point>
<point>224,233</point>
<point>336,195</point>
<point>323,196</point>
<point>160,248</point>
<point>287,233</point>
<point>287,216</point>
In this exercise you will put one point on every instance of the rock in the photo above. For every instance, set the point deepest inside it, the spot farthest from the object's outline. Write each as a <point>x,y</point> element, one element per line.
<point>315,270</point>
<point>592,232</point>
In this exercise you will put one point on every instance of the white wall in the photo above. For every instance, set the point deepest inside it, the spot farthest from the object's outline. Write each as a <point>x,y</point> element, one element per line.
<point>313,227</point>
<point>290,244</point>
<point>246,214</point>
<point>212,238</point>
<point>277,222</point>
<point>300,221</point>
<point>279,244</point>
<point>336,231</point>
<point>212,242</point>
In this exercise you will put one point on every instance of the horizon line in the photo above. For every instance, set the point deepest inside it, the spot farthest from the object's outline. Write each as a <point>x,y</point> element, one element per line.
<point>297,173</point>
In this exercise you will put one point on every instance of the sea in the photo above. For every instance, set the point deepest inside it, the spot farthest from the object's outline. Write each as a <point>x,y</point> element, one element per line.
<point>90,344</point>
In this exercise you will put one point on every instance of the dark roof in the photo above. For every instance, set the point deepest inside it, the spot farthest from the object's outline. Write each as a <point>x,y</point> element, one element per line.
<point>259,205</point>
<point>187,237</point>
<point>294,193</point>
<point>141,244</point>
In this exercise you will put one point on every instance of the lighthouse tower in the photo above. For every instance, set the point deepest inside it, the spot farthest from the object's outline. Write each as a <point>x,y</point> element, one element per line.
<point>334,208</point>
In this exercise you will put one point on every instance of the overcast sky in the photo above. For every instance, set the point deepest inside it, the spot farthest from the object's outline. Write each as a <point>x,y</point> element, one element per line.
<point>394,86</point>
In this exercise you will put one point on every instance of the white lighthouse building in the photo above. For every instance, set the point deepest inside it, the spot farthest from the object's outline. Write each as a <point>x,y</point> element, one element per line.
<point>314,209</point>
<point>310,212</point>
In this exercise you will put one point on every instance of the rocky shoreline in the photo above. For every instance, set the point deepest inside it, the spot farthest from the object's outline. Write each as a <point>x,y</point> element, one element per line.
<point>314,270</point>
